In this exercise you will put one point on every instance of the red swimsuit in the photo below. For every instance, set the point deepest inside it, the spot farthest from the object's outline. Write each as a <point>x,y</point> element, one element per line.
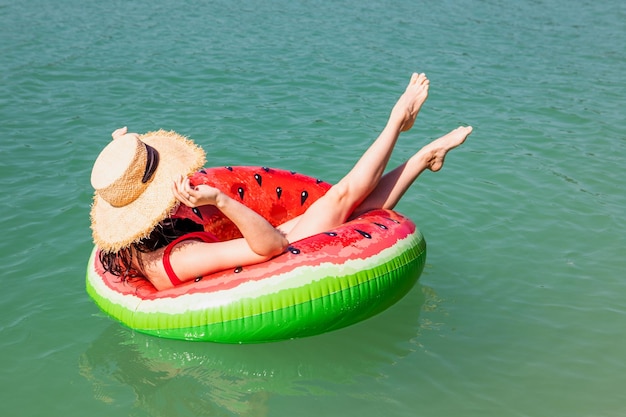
<point>203,236</point>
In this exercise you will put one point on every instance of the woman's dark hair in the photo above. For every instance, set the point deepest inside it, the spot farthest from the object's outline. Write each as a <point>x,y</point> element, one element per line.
<point>121,263</point>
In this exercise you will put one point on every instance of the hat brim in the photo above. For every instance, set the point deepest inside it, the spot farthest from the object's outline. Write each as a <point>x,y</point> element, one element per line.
<point>115,228</point>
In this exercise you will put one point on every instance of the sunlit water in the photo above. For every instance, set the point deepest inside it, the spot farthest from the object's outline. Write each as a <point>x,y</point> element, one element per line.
<point>520,309</point>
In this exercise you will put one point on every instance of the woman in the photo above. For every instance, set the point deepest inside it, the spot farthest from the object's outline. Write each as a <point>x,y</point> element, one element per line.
<point>140,179</point>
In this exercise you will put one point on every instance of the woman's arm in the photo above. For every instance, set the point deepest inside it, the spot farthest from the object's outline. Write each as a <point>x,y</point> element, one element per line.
<point>263,238</point>
<point>191,259</point>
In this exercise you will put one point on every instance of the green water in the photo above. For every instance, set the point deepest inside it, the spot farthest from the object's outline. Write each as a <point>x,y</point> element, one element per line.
<point>520,308</point>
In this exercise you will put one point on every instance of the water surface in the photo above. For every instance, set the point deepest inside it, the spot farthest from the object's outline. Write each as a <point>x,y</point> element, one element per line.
<point>520,308</point>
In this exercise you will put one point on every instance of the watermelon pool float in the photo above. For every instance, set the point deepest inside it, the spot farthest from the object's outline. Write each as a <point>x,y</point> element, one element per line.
<point>321,283</point>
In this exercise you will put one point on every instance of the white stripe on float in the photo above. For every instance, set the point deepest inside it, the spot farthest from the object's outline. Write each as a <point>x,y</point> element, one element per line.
<point>296,278</point>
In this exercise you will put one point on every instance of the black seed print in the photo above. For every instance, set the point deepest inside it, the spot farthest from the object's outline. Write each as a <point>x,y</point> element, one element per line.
<point>303,196</point>
<point>293,172</point>
<point>317,181</point>
<point>393,220</point>
<point>229,168</point>
<point>382,226</point>
<point>203,171</point>
<point>364,234</point>
<point>331,234</point>
<point>198,279</point>
<point>238,269</point>
<point>196,211</point>
<point>293,250</point>
<point>279,192</point>
<point>258,179</point>
<point>266,169</point>
<point>240,192</point>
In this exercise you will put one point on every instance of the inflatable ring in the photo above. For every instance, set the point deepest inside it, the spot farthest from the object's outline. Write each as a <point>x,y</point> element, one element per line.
<point>321,283</point>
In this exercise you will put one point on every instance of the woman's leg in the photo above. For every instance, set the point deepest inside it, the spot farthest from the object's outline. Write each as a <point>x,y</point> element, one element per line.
<point>338,203</point>
<point>394,184</point>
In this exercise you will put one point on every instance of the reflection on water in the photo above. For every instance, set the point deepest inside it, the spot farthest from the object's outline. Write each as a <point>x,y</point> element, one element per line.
<point>164,377</point>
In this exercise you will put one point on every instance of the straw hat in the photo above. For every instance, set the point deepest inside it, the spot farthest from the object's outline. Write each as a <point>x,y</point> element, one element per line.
<point>133,177</point>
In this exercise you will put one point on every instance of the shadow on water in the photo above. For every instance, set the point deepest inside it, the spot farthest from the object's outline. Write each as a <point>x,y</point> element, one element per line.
<point>170,377</point>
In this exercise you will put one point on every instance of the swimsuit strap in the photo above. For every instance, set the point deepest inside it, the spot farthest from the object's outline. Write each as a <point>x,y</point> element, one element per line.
<point>206,237</point>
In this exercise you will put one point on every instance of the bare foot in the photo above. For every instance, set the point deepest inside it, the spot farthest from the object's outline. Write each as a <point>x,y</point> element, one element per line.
<point>410,102</point>
<point>433,154</point>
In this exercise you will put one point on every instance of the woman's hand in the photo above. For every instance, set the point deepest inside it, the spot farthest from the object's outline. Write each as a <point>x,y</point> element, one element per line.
<point>122,131</point>
<point>195,196</point>
<point>263,238</point>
